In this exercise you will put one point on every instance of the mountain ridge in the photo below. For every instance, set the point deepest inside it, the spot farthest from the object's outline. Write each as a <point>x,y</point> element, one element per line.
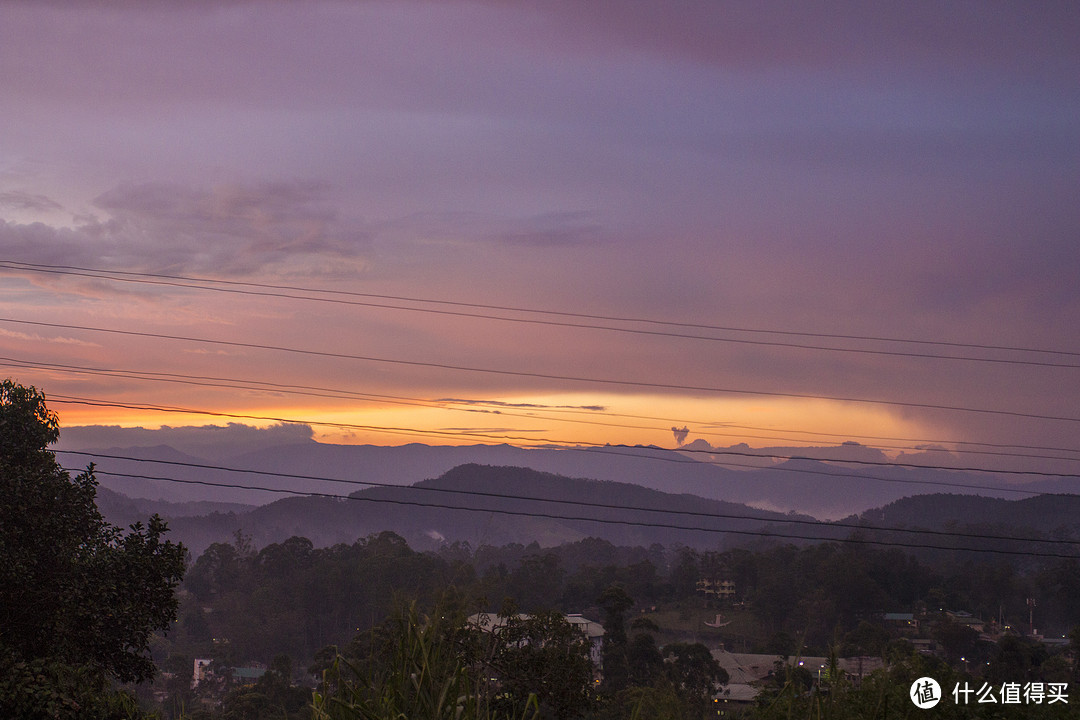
<point>804,484</point>
<point>498,505</point>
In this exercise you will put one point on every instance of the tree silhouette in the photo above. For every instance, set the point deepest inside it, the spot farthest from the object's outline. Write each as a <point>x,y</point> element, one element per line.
<point>615,602</point>
<point>79,598</point>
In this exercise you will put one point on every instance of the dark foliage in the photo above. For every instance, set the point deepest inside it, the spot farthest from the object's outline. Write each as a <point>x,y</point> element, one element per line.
<point>79,598</point>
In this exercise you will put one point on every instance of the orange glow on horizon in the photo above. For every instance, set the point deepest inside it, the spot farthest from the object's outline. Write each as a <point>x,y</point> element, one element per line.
<point>544,419</point>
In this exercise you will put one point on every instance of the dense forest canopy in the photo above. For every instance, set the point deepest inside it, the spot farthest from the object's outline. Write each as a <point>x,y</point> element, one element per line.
<point>291,597</point>
<point>241,604</point>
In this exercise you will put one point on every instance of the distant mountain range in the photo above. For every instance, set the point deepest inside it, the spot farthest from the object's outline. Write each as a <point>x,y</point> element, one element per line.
<point>497,505</point>
<point>805,483</point>
<point>272,484</point>
<point>478,504</point>
<point>1044,515</point>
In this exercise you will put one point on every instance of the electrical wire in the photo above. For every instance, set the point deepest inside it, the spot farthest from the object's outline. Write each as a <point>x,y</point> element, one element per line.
<point>536,375</point>
<point>582,503</point>
<point>612,521</point>
<point>545,441</point>
<point>673,457</point>
<point>638,452</point>
<point>231,285</point>
<point>71,270</point>
<point>447,404</point>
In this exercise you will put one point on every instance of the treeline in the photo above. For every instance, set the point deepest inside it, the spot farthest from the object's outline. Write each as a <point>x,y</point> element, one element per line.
<point>239,604</point>
<point>445,662</point>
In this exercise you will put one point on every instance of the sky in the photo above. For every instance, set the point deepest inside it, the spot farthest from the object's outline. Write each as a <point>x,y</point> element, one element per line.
<point>756,207</point>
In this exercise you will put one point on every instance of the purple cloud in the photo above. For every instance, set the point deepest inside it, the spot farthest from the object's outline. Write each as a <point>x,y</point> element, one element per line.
<point>18,200</point>
<point>228,229</point>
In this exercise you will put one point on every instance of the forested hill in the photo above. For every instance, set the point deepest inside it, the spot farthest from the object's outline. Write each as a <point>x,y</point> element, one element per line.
<point>594,508</point>
<point>123,510</point>
<point>482,505</point>
<point>499,505</point>
<point>1057,515</point>
<point>805,484</point>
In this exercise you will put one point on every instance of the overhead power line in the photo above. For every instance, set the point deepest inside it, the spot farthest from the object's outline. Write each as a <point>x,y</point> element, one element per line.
<point>534,375</point>
<point>451,404</point>
<point>581,503</point>
<point>209,283</point>
<point>668,455</point>
<point>276,291</point>
<point>561,442</point>
<point>610,521</point>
